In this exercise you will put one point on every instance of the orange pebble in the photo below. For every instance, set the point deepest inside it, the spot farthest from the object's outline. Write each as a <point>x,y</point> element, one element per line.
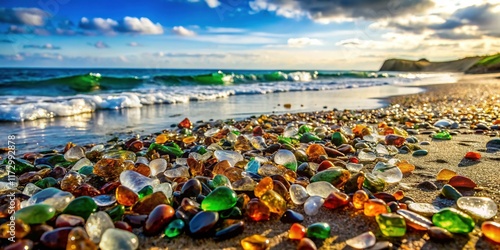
<point>126,196</point>
<point>161,138</point>
<point>491,230</point>
<point>382,125</point>
<point>256,210</point>
<point>405,167</point>
<point>189,139</point>
<point>264,185</point>
<point>296,232</point>
<point>374,207</point>
<point>359,198</point>
<point>314,151</point>
<point>403,206</point>
<point>445,174</point>
<point>142,169</point>
<point>400,194</point>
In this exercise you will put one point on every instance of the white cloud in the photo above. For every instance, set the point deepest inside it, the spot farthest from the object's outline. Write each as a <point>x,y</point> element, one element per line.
<point>141,26</point>
<point>181,31</point>
<point>25,16</point>
<point>98,23</point>
<point>128,25</point>
<point>212,3</point>
<point>288,9</point>
<point>302,42</point>
<point>340,10</point>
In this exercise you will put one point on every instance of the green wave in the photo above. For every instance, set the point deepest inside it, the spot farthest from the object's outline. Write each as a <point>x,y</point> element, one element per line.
<point>95,82</point>
<point>79,83</point>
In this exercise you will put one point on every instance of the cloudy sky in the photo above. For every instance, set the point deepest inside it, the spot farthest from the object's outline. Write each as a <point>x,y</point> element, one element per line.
<point>239,34</point>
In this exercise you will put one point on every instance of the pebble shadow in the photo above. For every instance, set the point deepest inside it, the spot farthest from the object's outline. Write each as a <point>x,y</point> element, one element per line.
<point>467,163</point>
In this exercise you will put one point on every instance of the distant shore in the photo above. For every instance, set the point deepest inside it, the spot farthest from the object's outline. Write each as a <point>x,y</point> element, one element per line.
<point>469,65</point>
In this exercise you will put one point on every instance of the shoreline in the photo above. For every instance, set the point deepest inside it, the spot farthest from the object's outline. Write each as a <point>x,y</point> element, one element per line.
<point>107,124</point>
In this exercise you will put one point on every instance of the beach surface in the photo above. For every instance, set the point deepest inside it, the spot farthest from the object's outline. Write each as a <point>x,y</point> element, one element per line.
<point>474,102</point>
<point>479,91</point>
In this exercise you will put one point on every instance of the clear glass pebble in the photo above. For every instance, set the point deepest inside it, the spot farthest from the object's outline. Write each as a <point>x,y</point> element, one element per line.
<point>388,173</point>
<point>381,150</point>
<point>113,239</point>
<point>30,189</point>
<point>166,188</point>
<point>104,200</point>
<point>362,241</point>
<point>479,207</point>
<point>366,156</point>
<point>74,154</point>
<point>136,181</point>
<point>177,172</point>
<point>157,166</point>
<point>97,224</point>
<point>320,188</point>
<point>298,194</point>
<point>354,167</point>
<point>231,156</point>
<point>286,158</point>
<point>81,163</point>
<point>313,204</point>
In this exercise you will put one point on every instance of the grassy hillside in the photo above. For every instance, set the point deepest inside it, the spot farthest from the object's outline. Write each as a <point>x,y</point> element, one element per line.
<point>423,65</point>
<point>490,60</point>
<point>487,64</point>
<point>472,65</point>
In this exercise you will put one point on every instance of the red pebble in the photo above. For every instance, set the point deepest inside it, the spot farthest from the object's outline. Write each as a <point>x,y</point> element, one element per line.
<point>336,200</point>
<point>110,186</point>
<point>296,232</point>
<point>186,123</point>
<point>123,225</point>
<point>475,156</point>
<point>353,160</point>
<point>326,164</point>
<point>257,131</point>
<point>459,181</point>
<point>395,140</point>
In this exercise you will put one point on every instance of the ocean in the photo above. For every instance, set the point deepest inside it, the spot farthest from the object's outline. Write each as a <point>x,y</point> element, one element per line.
<point>47,107</point>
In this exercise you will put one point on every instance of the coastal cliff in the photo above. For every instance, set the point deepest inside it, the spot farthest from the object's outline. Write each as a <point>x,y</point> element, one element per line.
<point>470,65</point>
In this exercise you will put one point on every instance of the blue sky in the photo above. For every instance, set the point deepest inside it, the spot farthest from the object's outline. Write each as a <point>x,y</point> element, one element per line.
<point>238,34</point>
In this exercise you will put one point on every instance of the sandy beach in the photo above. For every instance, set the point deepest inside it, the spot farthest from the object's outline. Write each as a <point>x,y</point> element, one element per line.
<point>481,91</point>
<point>473,100</point>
